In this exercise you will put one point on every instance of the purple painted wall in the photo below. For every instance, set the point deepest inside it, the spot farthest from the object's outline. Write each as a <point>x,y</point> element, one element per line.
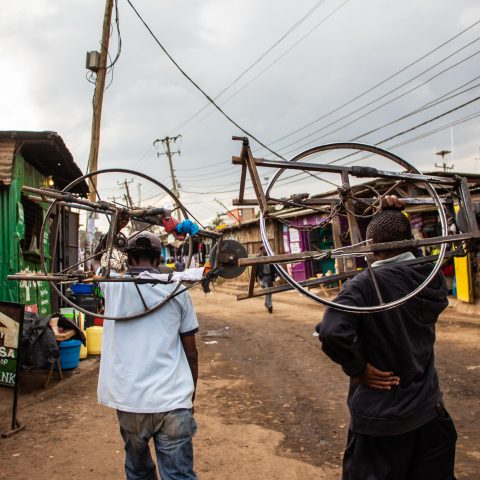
<point>295,241</point>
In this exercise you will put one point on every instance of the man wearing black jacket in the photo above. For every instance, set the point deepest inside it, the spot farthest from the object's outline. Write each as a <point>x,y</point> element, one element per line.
<point>399,427</point>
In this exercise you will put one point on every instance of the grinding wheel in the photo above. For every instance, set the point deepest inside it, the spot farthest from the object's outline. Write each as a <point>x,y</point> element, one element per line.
<point>230,252</point>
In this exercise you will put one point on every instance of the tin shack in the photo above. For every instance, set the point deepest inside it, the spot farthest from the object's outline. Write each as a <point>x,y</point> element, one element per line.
<point>36,159</point>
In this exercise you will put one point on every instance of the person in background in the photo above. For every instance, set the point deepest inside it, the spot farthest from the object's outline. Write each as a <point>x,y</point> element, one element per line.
<point>162,268</point>
<point>179,264</point>
<point>399,427</point>
<point>149,368</point>
<point>266,274</point>
<point>171,263</point>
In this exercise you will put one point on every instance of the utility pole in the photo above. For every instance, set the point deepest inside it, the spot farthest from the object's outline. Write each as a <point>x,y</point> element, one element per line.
<point>127,197</point>
<point>444,165</point>
<point>234,215</point>
<point>166,141</point>
<point>98,98</point>
<point>101,73</point>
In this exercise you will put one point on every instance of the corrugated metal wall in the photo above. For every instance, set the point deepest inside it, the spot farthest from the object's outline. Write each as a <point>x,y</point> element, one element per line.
<point>12,231</point>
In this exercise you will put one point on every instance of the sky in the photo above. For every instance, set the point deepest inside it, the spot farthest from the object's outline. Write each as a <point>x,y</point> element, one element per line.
<point>299,74</point>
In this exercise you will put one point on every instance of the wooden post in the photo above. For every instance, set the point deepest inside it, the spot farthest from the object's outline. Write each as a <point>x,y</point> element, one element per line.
<point>98,98</point>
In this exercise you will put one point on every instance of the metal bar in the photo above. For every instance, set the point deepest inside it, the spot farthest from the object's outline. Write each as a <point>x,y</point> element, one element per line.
<point>57,222</point>
<point>378,201</point>
<point>37,199</point>
<point>331,278</point>
<point>208,234</point>
<point>257,184</point>
<point>356,171</point>
<point>45,278</point>
<point>356,249</point>
<point>68,197</point>
<point>85,279</point>
<point>137,288</point>
<point>333,201</point>
<point>374,280</point>
<point>355,236</point>
<point>252,279</point>
<point>243,177</point>
<point>81,261</point>
<point>405,244</point>
<point>112,231</point>
<point>83,207</point>
<point>280,258</point>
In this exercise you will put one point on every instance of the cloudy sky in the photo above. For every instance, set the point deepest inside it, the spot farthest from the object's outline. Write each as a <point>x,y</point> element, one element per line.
<point>294,74</point>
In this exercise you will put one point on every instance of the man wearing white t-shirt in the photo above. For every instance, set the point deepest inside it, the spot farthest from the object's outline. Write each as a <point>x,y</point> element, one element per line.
<point>149,369</point>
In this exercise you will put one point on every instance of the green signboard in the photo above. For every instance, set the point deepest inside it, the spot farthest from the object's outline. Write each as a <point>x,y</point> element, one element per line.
<point>11,319</point>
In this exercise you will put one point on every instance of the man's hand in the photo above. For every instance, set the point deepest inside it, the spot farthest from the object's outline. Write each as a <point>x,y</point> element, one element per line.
<point>392,202</point>
<point>377,379</point>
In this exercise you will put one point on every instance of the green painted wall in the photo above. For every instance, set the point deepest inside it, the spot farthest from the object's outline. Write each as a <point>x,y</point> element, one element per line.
<point>12,231</point>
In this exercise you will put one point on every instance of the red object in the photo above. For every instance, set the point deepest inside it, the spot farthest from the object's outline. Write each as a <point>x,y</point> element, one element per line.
<point>169,224</point>
<point>98,322</point>
<point>32,308</point>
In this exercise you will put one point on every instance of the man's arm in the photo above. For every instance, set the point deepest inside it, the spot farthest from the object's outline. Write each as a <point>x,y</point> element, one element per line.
<point>338,334</point>
<point>191,352</point>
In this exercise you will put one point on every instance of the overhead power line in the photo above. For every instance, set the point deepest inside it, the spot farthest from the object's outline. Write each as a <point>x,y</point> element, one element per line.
<point>448,112</point>
<point>195,84</point>
<point>271,64</point>
<point>431,104</point>
<point>400,144</point>
<point>256,62</point>
<point>230,119</point>
<point>415,127</point>
<point>382,82</point>
<point>446,126</point>
<point>378,107</point>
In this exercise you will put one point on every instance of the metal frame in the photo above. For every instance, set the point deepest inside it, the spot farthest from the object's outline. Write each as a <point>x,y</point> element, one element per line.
<point>411,174</point>
<point>65,198</point>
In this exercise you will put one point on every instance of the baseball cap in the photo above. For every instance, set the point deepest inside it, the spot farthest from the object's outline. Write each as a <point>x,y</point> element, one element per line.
<point>144,241</point>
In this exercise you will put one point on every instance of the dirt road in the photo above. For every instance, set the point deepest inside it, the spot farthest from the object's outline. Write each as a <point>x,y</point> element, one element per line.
<point>269,403</point>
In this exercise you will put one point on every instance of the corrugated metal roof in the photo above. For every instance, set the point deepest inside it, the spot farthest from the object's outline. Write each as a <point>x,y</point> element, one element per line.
<point>7,148</point>
<point>47,152</point>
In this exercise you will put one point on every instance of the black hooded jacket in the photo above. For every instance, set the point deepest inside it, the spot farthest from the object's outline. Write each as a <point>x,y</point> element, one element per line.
<point>399,340</point>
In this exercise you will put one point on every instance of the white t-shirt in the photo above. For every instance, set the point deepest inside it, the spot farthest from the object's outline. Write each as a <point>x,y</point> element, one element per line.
<point>143,368</point>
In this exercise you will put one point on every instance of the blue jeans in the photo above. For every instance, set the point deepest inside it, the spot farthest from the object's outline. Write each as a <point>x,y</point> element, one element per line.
<point>172,434</point>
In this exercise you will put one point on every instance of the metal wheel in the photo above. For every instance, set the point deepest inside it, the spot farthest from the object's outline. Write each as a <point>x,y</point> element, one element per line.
<point>358,203</point>
<point>109,209</point>
<point>382,306</point>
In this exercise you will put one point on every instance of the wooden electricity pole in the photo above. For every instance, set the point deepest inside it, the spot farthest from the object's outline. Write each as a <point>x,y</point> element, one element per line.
<point>98,98</point>
<point>166,141</point>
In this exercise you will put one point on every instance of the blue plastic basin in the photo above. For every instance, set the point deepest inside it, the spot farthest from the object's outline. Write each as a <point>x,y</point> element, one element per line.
<point>82,288</point>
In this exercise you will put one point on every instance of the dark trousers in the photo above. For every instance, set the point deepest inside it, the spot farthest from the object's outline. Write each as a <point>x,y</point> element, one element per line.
<point>427,453</point>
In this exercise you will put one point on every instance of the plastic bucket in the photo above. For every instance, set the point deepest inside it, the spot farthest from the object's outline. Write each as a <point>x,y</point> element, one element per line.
<point>94,340</point>
<point>69,353</point>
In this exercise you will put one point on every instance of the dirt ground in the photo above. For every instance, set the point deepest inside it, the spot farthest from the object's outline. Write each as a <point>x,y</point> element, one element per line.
<point>269,403</point>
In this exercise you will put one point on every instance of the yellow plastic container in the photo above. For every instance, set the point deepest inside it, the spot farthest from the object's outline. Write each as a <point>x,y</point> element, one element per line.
<point>83,348</point>
<point>94,340</point>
